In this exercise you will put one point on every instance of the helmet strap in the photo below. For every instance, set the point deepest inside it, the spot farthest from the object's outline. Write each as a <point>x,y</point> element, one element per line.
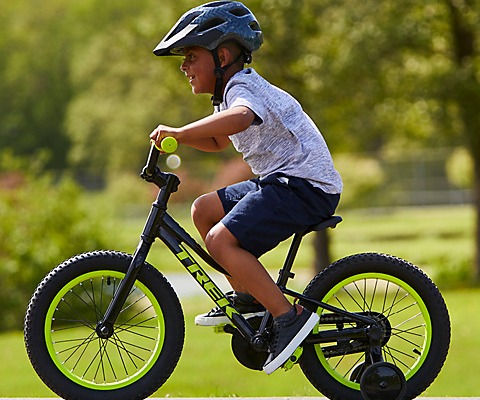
<point>219,72</point>
<point>217,97</point>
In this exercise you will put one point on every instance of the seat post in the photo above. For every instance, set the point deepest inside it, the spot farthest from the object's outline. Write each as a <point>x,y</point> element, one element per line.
<point>285,273</point>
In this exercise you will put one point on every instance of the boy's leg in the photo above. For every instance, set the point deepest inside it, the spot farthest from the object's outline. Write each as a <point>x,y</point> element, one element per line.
<point>245,269</point>
<point>207,211</point>
<point>259,221</point>
<point>291,325</point>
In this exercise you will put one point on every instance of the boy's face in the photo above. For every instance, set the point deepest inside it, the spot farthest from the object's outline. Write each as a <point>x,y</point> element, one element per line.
<point>198,66</point>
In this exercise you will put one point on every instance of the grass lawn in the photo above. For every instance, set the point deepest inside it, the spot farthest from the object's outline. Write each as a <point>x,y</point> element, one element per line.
<point>439,240</point>
<point>208,367</point>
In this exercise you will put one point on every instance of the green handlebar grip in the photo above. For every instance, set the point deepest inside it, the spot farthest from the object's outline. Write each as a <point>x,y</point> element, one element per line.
<point>168,144</point>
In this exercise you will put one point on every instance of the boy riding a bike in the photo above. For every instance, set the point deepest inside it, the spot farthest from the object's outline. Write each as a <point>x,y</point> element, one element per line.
<point>297,184</point>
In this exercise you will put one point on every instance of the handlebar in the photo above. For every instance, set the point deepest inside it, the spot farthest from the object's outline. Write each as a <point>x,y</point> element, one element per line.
<point>168,145</point>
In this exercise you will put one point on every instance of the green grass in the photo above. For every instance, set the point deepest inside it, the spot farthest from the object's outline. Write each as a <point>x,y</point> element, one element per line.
<point>208,367</point>
<point>438,239</point>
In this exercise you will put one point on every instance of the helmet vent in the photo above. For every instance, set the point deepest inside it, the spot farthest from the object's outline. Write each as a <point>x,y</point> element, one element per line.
<point>185,22</point>
<point>212,23</point>
<point>215,4</point>
<point>238,12</point>
<point>254,26</point>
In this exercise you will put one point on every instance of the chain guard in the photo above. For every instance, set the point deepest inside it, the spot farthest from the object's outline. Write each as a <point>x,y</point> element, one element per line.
<point>244,352</point>
<point>344,347</point>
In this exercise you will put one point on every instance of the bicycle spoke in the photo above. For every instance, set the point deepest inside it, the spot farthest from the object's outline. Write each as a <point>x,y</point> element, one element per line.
<point>389,303</point>
<point>136,331</point>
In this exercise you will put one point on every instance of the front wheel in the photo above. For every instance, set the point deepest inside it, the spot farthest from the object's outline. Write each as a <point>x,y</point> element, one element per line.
<point>404,302</point>
<point>62,342</point>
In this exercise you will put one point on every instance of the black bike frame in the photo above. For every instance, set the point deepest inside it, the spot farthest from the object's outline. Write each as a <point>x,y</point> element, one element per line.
<point>161,225</point>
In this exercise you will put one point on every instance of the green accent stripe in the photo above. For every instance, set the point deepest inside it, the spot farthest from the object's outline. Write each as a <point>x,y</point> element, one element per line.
<point>117,384</point>
<point>419,302</point>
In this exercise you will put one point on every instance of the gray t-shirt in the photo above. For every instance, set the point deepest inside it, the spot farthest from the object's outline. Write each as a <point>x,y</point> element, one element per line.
<point>282,138</point>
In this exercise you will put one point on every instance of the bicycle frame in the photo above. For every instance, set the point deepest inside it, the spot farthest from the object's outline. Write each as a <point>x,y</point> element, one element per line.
<point>161,225</point>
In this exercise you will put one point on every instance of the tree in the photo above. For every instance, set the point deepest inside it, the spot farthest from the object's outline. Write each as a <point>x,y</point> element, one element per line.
<point>383,76</point>
<point>123,91</point>
<point>465,91</point>
<point>34,54</point>
<point>375,76</point>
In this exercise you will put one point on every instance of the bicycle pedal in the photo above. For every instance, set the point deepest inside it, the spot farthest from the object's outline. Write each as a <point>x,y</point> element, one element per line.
<point>293,359</point>
<point>219,328</point>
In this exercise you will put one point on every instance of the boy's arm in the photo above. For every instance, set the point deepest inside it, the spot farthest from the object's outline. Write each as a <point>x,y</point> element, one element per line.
<point>209,133</point>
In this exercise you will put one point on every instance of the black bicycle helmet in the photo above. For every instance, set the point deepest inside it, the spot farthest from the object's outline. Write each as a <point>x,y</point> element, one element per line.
<point>211,24</point>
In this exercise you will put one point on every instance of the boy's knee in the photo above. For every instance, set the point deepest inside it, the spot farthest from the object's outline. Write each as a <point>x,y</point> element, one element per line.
<point>200,213</point>
<point>219,242</point>
<point>206,211</point>
<point>197,207</point>
<point>212,243</point>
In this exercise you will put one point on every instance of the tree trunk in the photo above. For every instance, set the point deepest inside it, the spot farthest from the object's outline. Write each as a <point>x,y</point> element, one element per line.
<point>321,245</point>
<point>466,94</point>
<point>477,205</point>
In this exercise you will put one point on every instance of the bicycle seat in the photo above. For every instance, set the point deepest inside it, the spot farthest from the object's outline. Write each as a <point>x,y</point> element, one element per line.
<point>331,222</point>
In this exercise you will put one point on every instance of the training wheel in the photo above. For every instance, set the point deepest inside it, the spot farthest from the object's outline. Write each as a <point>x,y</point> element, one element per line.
<point>382,381</point>
<point>357,372</point>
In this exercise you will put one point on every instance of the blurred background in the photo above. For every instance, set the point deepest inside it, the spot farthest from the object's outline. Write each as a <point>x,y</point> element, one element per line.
<point>394,86</point>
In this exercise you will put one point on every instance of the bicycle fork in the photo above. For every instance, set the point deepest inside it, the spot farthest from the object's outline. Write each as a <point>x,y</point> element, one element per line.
<point>104,327</point>
<point>160,224</point>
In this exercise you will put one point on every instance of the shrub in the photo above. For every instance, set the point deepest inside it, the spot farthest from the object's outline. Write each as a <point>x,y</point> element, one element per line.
<point>41,224</point>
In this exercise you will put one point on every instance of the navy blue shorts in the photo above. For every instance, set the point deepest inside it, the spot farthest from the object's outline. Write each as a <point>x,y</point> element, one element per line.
<point>261,213</point>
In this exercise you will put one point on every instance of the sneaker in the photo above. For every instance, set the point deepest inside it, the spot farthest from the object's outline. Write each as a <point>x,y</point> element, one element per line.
<point>289,331</point>
<point>243,302</point>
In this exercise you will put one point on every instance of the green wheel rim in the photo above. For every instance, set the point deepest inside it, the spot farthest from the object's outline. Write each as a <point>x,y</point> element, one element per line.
<point>407,313</point>
<point>103,364</point>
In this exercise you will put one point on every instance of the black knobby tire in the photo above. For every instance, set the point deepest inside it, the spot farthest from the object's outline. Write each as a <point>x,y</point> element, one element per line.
<point>64,348</point>
<point>411,310</point>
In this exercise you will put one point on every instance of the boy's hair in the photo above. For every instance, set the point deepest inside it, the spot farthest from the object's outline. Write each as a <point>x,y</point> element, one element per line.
<point>238,52</point>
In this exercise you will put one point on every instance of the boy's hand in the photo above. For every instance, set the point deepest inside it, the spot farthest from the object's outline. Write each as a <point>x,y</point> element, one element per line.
<point>162,131</point>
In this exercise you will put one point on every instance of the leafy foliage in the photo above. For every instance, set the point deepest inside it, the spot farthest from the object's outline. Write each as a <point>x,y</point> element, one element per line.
<point>87,87</point>
<point>40,223</point>
<point>78,80</point>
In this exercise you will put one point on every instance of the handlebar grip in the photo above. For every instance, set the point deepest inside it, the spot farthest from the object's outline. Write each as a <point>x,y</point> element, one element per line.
<point>168,144</point>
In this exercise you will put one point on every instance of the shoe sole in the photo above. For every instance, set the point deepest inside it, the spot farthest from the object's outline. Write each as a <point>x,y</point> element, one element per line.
<point>292,346</point>
<point>202,320</point>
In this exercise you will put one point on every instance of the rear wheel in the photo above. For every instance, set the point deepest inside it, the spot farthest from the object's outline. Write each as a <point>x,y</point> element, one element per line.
<point>69,356</point>
<point>405,303</point>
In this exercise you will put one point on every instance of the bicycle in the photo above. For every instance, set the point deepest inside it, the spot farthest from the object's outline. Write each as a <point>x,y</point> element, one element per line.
<point>108,325</point>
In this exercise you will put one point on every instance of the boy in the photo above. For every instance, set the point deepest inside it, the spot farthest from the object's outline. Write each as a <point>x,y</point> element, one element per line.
<point>297,185</point>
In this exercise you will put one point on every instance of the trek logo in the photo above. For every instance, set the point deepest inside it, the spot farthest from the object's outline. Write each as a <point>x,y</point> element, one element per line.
<point>207,284</point>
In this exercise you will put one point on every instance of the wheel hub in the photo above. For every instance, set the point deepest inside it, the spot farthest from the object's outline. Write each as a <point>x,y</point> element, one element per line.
<point>104,331</point>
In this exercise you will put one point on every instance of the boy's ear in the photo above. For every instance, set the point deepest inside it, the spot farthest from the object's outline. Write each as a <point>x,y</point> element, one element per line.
<point>224,56</point>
